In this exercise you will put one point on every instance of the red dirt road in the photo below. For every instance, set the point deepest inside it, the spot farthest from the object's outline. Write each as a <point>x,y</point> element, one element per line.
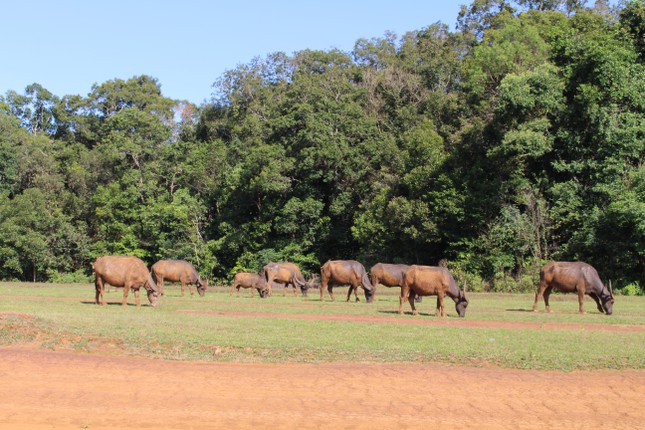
<point>63,390</point>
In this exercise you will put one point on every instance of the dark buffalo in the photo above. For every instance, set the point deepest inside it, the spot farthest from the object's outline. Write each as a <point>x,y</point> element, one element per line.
<point>287,274</point>
<point>432,281</point>
<point>179,271</point>
<point>345,272</point>
<point>126,272</point>
<point>248,280</point>
<point>571,277</point>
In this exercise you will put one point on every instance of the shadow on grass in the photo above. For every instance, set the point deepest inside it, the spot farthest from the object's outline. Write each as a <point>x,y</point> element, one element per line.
<point>409,314</point>
<point>116,304</point>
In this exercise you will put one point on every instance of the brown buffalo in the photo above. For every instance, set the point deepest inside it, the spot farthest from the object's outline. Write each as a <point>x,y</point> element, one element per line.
<point>572,277</point>
<point>127,272</point>
<point>287,274</point>
<point>390,275</point>
<point>247,280</point>
<point>179,271</point>
<point>432,281</point>
<point>345,272</point>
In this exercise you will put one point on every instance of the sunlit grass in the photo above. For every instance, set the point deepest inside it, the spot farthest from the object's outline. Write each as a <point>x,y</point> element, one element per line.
<point>281,329</point>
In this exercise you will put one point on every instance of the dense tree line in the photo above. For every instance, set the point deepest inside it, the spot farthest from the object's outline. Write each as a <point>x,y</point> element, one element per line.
<point>516,139</point>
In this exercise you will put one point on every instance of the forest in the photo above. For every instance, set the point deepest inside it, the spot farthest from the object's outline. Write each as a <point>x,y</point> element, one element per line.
<point>515,139</point>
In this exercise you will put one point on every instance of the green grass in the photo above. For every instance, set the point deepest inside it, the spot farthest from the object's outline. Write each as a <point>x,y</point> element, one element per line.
<point>278,329</point>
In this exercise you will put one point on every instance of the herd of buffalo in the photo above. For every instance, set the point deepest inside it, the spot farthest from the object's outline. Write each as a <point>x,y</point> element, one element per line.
<point>131,273</point>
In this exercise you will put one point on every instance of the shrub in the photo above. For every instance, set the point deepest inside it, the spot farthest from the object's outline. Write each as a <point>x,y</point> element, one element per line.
<point>632,289</point>
<point>78,277</point>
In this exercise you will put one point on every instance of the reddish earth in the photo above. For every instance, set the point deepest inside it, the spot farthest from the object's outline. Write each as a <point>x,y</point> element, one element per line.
<point>63,390</point>
<point>42,389</point>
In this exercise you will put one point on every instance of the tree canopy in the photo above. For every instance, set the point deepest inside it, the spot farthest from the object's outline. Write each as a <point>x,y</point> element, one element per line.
<point>516,139</point>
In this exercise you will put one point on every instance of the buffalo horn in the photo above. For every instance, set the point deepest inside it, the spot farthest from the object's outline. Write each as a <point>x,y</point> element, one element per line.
<point>611,290</point>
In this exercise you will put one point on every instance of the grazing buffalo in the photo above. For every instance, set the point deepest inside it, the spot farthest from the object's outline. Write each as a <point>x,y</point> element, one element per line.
<point>572,277</point>
<point>287,274</point>
<point>178,271</point>
<point>345,272</point>
<point>432,281</point>
<point>390,275</point>
<point>127,272</point>
<point>248,280</point>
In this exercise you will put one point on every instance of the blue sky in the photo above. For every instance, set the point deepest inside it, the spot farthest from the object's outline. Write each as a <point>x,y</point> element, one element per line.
<point>66,46</point>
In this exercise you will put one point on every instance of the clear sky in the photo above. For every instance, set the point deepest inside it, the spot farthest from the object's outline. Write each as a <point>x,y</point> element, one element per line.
<point>68,45</point>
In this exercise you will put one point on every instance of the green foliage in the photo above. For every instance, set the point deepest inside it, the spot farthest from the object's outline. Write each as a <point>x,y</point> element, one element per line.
<point>632,289</point>
<point>78,277</point>
<point>517,139</point>
<point>632,19</point>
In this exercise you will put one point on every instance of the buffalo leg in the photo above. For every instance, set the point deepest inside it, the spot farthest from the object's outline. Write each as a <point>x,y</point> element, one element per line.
<point>185,285</point>
<point>547,293</point>
<point>538,294</point>
<point>126,291</point>
<point>404,296</point>
<point>330,290</point>
<point>160,286</point>
<point>440,302</point>
<point>354,289</point>
<point>437,312</point>
<point>411,301</point>
<point>100,290</point>
<point>581,300</point>
<point>325,285</point>
<point>136,297</point>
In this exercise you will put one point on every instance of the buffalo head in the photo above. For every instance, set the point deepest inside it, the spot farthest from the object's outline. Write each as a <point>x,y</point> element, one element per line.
<point>608,304</point>
<point>369,295</point>
<point>461,306</point>
<point>304,288</point>
<point>153,297</point>
<point>607,298</point>
<point>201,287</point>
<point>461,303</point>
<point>263,292</point>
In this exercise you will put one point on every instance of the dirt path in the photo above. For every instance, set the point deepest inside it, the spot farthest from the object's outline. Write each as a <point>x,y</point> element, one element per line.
<point>61,390</point>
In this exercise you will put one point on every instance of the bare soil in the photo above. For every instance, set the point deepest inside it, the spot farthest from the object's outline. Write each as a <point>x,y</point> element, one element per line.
<point>42,389</point>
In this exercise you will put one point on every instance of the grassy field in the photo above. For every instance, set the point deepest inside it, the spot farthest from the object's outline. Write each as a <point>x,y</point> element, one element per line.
<point>499,329</point>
